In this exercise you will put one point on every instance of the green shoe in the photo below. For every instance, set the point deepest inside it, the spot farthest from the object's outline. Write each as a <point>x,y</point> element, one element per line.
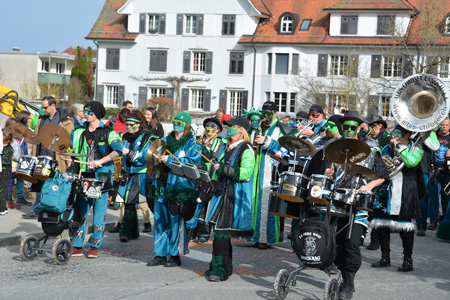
<point>443,232</point>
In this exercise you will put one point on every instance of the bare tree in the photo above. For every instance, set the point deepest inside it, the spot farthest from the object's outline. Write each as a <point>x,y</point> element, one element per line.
<point>29,88</point>
<point>76,92</point>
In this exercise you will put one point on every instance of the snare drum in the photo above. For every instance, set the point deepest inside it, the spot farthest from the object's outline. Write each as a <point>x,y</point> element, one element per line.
<point>45,168</point>
<point>25,169</point>
<point>319,189</point>
<point>92,188</point>
<point>364,200</point>
<point>293,186</point>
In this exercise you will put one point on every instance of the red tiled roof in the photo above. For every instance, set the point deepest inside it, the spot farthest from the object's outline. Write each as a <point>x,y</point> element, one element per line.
<point>110,24</point>
<point>261,7</point>
<point>370,5</point>
<point>267,31</point>
<point>71,51</point>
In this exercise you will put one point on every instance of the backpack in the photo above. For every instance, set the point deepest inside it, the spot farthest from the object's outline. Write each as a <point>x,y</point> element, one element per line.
<point>55,193</point>
<point>314,242</point>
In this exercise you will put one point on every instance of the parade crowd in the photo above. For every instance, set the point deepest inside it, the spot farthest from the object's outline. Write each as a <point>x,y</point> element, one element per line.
<point>245,158</point>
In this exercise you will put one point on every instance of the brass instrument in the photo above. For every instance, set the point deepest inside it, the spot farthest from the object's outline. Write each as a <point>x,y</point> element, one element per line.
<point>420,103</point>
<point>299,134</point>
<point>118,165</point>
<point>258,132</point>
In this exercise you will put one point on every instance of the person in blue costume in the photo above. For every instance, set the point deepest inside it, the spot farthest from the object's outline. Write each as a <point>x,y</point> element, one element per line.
<point>176,197</point>
<point>406,188</point>
<point>264,135</point>
<point>132,188</point>
<point>319,123</point>
<point>102,145</point>
<point>230,209</point>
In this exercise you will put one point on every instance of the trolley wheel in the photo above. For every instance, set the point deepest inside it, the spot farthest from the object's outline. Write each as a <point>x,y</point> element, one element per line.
<point>62,251</point>
<point>28,248</point>
<point>280,287</point>
<point>331,290</point>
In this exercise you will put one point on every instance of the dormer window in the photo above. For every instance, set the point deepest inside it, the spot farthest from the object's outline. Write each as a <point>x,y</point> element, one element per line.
<point>349,24</point>
<point>447,24</point>
<point>386,25</point>
<point>287,23</point>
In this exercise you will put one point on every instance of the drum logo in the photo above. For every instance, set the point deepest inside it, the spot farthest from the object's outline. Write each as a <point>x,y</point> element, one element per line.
<point>310,246</point>
<point>316,191</point>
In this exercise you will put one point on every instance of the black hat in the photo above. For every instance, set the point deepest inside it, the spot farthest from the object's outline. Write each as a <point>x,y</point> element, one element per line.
<point>213,120</point>
<point>351,115</point>
<point>302,115</point>
<point>238,120</point>
<point>375,119</point>
<point>315,109</point>
<point>97,108</point>
<point>269,106</point>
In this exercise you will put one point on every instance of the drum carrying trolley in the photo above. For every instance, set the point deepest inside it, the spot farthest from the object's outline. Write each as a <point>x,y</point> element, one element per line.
<point>314,240</point>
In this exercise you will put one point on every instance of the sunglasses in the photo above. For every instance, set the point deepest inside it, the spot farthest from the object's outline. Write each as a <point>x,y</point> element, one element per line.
<point>352,128</point>
<point>45,107</point>
<point>331,125</point>
<point>87,112</point>
<point>211,125</point>
<point>301,121</point>
<point>267,113</point>
<point>132,125</point>
<point>177,122</point>
<point>316,115</point>
<point>373,126</point>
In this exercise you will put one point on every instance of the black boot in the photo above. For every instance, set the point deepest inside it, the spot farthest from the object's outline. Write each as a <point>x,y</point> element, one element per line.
<point>421,229</point>
<point>374,242</point>
<point>407,265</point>
<point>116,229</point>
<point>384,262</point>
<point>348,286</point>
<point>147,227</point>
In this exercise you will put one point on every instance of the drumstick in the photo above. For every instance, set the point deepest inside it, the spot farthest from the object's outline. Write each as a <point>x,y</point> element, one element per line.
<point>173,156</point>
<point>81,162</point>
<point>204,157</point>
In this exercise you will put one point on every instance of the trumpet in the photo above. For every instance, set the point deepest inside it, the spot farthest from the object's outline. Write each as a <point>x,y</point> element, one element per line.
<point>299,134</point>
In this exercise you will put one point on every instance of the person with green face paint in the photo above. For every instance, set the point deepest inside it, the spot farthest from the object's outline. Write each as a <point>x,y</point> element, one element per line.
<point>348,258</point>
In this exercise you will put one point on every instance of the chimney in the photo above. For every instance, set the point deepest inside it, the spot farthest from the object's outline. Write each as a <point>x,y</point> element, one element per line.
<point>16,49</point>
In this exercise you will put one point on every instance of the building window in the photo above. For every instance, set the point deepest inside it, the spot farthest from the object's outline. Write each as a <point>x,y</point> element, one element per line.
<point>286,24</point>
<point>292,102</point>
<point>45,66</point>
<point>235,103</point>
<point>198,61</point>
<point>347,101</point>
<point>197,99</point>
<point>153,23</point>
<point>157,92</point>
<point>228,24</point>
<point>158,60</point>
<point>60,68</point>
<point>190,24</point>
<point>237,63</point>
<point>112,95</point>
<point>281,63</point>
<point>392,66</point>
<point>305,25</point>
<point>339,65</point>
<point>112,59</point>
<point>385,105</point>
<point>269,63</point>
<point>386,25</point>
<point>281,100</point>
<point>349,24</point>
<point>444,68</point>
<point>447,25</point>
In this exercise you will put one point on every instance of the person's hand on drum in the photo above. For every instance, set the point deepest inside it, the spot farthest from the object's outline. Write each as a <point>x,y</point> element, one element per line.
<point>329,171</point>
<point>367,188</point>
<point>95,164</point>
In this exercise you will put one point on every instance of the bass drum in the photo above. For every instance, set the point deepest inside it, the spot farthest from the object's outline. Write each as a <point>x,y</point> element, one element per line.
<point>282,208</point>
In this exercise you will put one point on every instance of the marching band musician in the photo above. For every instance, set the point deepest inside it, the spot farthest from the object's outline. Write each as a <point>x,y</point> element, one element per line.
<point>132,188</point>
<point>348,259</point>
<point>102,145</point>
<point>230,210</point>
<point>265,134</point>
<point>316,115</point>
<point>176,196</point>
<point>407,187</point>
<point>253,115</point>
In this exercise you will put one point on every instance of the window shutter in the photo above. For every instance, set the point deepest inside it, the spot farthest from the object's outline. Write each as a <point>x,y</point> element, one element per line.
<point>186,61</point>
<point>294,64</point>
<point>112,59</point>
<point>354,65</point>
<point>207,100</point>
<point>375,68</point>
<point>179,24</point>
<point>162,24</point>
<point>184,99</point>
<point>170,93</point>
<point>142,96</point>
<point>200,24</point>
<point>374,100</point>
<point>231,21</point>
<point>162,60</point>
<point>208,62</point>
<point>244,99</point>
<point>353,25</point>
<point>153,60</point>
<point>322,65</point>
<point>100,89</point>
<point>344,25</point>
<point>223,100</point>
<point>121,94</point>
<point>407,67</point>
<point>142,23</point>
<point>225,24</point>
<point>432,63</point>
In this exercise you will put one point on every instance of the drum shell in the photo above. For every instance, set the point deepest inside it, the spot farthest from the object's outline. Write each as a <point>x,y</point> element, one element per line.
<point>282,208</point>
<point>45,168</point>
<point>25,168</point>
<point>91,188</point>
<point>319,188</point>
<point>364,200</point>
<point>293,186</point>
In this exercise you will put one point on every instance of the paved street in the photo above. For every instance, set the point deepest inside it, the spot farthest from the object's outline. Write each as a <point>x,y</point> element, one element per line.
<point>120,272</point>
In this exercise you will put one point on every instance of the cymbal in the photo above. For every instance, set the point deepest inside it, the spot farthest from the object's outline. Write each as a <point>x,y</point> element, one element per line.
<point>364,172</point>
<point>279,159</point>
<point>354,150</point>
<point>54,137</point>
<point>27,134</point>
<point>156,149</point>
<point>72,154</point>
<point>295,144</point>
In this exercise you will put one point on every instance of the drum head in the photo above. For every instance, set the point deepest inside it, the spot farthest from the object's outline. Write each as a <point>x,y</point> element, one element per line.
<point>41,177</point>
<point>317,200</point>
<point>291,198</point>
<point>26,177</point>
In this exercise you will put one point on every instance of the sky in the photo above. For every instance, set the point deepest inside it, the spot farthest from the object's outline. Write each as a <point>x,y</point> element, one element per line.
<point>47,25</point>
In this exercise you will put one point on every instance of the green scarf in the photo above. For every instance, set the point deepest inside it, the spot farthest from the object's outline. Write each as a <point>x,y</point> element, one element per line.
<point>174,144</point>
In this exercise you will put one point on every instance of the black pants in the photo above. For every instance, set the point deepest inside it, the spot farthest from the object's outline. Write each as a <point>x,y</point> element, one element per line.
<point>348,258</point>
<point>384,235</point>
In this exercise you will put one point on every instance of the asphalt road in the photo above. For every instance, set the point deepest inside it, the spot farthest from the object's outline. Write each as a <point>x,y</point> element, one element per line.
<point>120,272</point>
